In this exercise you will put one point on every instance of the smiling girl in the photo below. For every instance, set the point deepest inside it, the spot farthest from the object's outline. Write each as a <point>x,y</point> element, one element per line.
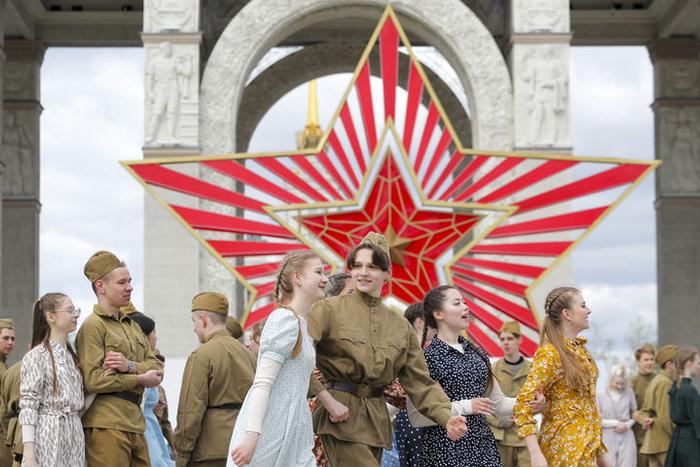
<point>463,370</point>
<point>51,388</point>
<point>274,425</point>
<point>565,372</point>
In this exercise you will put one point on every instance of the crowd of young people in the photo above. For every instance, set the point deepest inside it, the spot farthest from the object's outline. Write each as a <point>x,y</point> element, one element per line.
<point>413,391</point>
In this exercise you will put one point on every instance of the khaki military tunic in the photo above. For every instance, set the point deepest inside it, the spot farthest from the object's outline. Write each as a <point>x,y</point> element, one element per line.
<point>639,385</point>
<point>510,384</point>
<point>656,404</point>
<point>101,333</point>
<point>219,372</point>
<point>5,452</point>
<point>360,340</point>
<point>9,412</point>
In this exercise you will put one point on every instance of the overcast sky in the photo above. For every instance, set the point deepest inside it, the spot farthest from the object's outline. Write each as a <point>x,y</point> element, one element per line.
<point>93,117</point>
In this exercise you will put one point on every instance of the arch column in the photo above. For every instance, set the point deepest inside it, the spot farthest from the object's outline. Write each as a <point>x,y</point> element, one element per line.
<point>677,128</point>
<point>20,153</point>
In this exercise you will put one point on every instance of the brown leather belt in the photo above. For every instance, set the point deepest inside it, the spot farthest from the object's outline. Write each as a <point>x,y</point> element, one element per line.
<point>126,395</point>
<point>227,406</point>
<point>364,391</point>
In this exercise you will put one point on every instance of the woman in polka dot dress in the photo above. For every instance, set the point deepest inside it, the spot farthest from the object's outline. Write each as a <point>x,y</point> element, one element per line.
<point>464,372</point>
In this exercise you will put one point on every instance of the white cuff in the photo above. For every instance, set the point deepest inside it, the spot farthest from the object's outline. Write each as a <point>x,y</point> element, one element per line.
<point>259,395</point>
<point>27,433</point>
<point>463,407</point>
<point>609,423</point>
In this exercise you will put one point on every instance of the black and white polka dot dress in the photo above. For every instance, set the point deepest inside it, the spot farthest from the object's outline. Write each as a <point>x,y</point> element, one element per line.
<point>462,376</point>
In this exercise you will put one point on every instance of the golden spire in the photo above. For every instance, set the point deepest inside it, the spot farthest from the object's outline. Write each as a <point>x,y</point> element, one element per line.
<point>312,133</point>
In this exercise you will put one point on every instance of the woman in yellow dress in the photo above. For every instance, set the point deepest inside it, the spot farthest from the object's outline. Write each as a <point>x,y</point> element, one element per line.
<point>564,371</point>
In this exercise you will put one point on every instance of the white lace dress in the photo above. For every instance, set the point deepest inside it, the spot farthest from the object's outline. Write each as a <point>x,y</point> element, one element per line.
<point>286,439</point>
<point>58,432</point>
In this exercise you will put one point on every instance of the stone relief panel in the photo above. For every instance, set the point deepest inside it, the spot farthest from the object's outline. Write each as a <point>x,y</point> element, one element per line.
<point>171,16</point>
<point>19,155</point>
<point>20,80</point>
<point>172,99</point>
<point>677,78</point>
<point>532,16</point>
<point>541,85</point>
<point>679,149</point>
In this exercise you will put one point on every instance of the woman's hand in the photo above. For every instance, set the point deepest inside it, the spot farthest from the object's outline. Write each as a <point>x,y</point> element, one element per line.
<point>648,423</point>
<point>29,456</point>
<point>621,427</point>
<point>483,406</point>
<point>537,459</point>
<point>244,452</point>
<point>337,411</point>
<point>538,404</point>
<point>456,427</point>
<point>601,461</point>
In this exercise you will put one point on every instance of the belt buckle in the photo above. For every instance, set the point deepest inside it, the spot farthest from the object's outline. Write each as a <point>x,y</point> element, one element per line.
<point>364,391</point>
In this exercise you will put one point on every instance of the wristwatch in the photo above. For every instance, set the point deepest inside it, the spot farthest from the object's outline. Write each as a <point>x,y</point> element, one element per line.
<point>131,368</point>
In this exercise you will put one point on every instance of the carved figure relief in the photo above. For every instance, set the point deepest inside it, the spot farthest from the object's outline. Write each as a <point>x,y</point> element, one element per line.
<point>680,151</point>
<point>171,15</point>
<point>544,96</point>
<point>168,82</point>
<point>17,153</point>
<point>681,77</point>
<point>17,79</point>
<point>540,15</point>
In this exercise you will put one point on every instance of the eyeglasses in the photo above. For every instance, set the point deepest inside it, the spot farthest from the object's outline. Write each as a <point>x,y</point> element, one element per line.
<point>75,312</point>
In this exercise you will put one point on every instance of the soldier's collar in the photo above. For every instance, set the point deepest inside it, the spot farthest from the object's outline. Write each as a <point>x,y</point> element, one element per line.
<point>106,314</point>
<point>220,332</point>
<point>367,299</point>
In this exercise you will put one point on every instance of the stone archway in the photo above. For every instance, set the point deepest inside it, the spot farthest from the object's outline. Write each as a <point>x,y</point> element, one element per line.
<point>321,60</point>
<point>448,25</point>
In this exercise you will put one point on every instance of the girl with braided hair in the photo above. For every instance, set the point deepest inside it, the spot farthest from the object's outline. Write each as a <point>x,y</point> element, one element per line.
<point>274,426</point>
<point>565,372</point>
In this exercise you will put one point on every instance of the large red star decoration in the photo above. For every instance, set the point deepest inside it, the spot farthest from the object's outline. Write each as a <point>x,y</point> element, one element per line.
<point>493,224</point>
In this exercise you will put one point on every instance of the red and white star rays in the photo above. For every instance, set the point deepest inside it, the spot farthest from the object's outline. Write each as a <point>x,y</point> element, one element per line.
<point>491,223</point>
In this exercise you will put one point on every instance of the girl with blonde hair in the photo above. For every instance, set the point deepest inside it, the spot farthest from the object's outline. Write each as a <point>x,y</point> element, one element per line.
<point>51,388</point>
<point>274,426</point>
<point>617,404</point>
<point>564,371</point>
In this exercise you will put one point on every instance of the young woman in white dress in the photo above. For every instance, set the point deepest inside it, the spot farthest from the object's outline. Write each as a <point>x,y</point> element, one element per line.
<point>51,388</point>
<point>274,426</point>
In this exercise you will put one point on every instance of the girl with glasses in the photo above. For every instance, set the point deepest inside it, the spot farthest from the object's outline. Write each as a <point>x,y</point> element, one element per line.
<point>51,388</point>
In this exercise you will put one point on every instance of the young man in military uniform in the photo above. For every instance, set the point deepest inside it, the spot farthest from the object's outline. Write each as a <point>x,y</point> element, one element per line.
<point>644,357</point>
<point>7,345</point>
<point>9,415</point>
<point>117,364</point>
<point>654,416</point>
<point>216,379</point>
<point>361,346</point>
<point>511,373</point>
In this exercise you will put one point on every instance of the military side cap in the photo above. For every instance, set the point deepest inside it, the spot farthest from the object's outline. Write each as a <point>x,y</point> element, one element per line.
<point>99,264</point>
<point>378,240</point>
<point>210,301</point>
<point>666,353</point>
<point>129,309</point>
<point>234,327</point>
<point>6,323</point>
<point>512,327</point>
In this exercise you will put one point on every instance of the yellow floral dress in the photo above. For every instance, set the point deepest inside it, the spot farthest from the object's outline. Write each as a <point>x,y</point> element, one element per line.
<point>571,433</point>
